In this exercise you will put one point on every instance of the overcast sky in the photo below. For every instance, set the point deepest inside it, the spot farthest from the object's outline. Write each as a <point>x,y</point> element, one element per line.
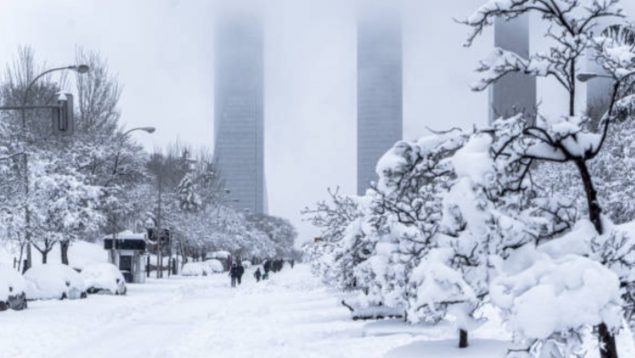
<point>162,53</point>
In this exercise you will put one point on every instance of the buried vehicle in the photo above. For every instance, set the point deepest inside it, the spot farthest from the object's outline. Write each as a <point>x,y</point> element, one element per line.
<point>204,268</point>
<point>54,282</point>
<point>12,290</point>
<point>103,278</point>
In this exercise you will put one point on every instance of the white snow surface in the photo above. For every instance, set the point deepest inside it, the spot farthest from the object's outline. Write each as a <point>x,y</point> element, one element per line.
<point>52,281</point>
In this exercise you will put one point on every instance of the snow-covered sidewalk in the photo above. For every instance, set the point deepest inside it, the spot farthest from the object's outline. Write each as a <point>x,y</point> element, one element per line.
<point>290,315</point>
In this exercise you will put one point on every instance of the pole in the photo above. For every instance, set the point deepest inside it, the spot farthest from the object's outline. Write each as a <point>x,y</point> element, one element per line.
<point>25,161</point>
<point>159,256</point>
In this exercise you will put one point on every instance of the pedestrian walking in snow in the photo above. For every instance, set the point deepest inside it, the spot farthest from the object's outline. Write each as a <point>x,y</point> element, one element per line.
<point>234,274</point>
<point>257,274</point>
<point>241,271</point>
<point>267,266</point>
<point>292,262</point>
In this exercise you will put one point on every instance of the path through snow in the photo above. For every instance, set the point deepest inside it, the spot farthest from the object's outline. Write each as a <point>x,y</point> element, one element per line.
<point>290,315</point>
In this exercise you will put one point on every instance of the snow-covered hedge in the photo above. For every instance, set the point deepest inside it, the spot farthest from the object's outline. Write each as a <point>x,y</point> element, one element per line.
<point>104,278</point>
<point>54,281</point>
<point>12,289</point>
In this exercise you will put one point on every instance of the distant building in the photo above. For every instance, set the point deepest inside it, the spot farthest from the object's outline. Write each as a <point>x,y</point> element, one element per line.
<point>515,92</point>
<point>239,116</point>
<point>379,90</point>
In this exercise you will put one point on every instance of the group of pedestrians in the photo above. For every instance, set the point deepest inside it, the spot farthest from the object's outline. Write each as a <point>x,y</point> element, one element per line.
<point>237,270</point>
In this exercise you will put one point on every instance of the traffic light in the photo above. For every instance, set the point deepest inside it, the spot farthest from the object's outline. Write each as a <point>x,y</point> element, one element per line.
<point>63,119</point>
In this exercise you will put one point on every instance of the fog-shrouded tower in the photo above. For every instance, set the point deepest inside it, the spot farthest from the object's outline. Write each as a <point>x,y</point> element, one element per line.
<point>379,88</point>
<point>515,92</point>
<point>238,108</point>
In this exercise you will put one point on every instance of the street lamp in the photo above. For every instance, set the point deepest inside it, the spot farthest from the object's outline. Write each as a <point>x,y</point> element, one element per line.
<point>148,130</point>
<point>587,76</point>
<point>81,69</point>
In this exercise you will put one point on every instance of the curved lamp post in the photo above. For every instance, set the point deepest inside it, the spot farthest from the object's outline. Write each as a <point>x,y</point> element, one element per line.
<point>81,69</point>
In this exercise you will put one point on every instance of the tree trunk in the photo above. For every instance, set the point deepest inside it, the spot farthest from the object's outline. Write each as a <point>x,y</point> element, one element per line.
<point>44,256</point>
<point>591,196</point>
<point>608,347</point>
<point>64,250</point>
<point>463,338</point>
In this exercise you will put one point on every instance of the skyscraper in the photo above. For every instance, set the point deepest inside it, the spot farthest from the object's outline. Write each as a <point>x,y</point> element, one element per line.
<point>379,89</point>
<point>239,122</point>
<point>515,92</point>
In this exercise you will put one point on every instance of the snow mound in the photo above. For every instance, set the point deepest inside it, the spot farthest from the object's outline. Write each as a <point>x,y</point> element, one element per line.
<point>54,281</point>
<point>104,278</point>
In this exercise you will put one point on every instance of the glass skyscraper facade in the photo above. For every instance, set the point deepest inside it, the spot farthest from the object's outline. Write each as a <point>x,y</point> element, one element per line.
<point>239,117</point>
<point>379,90</point>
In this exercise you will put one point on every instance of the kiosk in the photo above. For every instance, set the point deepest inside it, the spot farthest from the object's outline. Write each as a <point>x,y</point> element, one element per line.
<point>127,251</point>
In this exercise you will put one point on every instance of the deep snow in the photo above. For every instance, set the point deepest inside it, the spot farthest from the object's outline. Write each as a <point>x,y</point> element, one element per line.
<point>291,315</point>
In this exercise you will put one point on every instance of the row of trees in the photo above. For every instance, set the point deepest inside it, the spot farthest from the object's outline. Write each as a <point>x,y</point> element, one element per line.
<point>532,214</point>
<point>58,189</point>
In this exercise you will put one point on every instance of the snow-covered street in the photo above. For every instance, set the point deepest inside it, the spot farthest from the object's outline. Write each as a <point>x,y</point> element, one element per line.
<point>290,315</point>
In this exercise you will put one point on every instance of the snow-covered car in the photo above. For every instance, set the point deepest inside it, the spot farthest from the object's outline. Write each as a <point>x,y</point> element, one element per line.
<point>204,268</point>
<point>214,266</point>
<point>195,269</point>
<point>12,289</point>
<point>103,278</point>
<point>54,281</point>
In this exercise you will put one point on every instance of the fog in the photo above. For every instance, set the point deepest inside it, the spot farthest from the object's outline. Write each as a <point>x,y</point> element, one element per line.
<point>163,53</point>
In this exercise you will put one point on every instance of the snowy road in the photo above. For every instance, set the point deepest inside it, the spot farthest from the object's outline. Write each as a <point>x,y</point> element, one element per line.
<point>290,315</point>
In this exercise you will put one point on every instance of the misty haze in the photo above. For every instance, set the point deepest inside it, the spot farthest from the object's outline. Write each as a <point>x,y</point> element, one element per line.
<point>321,178</point>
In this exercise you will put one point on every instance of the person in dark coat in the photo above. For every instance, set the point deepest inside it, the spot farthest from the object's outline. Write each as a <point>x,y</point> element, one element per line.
<point>267,266</point>
<point>234,274</point>
<point>241,271</point>
<point>258,274</point>
<point>291,263</point>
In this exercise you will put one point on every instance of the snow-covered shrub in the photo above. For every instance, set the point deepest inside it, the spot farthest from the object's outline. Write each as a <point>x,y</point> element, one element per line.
<point>12,289</point>
<point>548,302</point>
<point>104,278</point>
<point>54,281</point>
